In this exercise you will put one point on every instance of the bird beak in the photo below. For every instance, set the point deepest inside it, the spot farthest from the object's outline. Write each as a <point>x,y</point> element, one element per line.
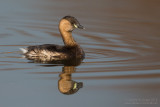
<point>81,27</point>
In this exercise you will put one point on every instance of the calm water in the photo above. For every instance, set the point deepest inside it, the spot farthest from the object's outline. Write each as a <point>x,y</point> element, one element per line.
<point>121,42</point>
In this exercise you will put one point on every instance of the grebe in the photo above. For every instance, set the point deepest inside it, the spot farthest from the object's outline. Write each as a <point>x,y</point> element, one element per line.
<point>70,49</point>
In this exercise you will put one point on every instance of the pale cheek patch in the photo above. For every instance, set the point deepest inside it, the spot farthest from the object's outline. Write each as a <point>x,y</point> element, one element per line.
<point>75,26</point>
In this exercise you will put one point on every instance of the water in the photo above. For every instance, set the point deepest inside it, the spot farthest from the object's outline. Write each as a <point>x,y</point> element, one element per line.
<point>121,42</point>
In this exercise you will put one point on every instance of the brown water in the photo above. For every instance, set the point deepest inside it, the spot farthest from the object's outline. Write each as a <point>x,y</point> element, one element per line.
<point>121,42</point>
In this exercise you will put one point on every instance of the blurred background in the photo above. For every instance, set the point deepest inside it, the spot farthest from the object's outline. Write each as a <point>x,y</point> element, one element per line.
<point>121,42</point>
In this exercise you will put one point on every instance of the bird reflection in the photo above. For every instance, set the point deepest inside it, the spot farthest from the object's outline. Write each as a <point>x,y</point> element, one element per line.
<point>66,85</point>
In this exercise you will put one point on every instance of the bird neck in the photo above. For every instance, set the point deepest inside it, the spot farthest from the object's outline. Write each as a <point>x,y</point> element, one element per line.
<point>67,38</point>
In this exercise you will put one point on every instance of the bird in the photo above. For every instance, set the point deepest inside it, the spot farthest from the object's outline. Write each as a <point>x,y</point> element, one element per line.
<point>70,50</point>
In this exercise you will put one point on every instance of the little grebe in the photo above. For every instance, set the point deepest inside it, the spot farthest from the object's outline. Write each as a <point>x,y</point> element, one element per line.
<point>55,52</point>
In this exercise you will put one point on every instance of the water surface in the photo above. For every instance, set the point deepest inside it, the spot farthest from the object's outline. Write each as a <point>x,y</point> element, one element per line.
<point>121,42</point>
